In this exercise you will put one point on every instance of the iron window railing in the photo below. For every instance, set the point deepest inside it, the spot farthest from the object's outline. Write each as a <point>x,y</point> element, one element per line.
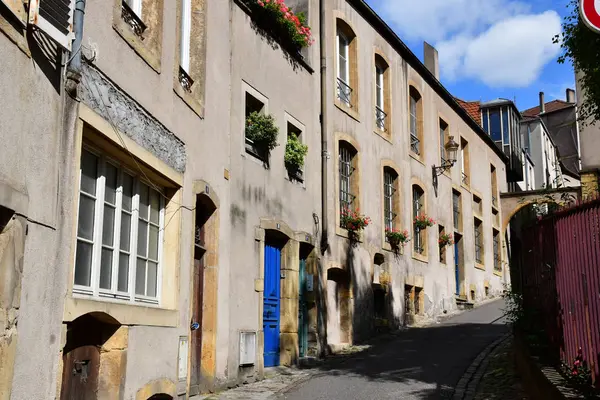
<point>478,244</point>
<point>415,144</point>
<point>497,260</point>
<point>346,170</point>
<point>132,19</point>
<point>494,201</point>
<point>388,194</point>
<point>380,117</point>
<point>344,92</point>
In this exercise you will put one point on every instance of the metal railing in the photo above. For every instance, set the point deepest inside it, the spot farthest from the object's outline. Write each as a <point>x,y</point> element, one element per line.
<point>494,201</point>
<point>344,92</point>
<point>380,117</point>
<point>415,144</point>
<point>465,178</point>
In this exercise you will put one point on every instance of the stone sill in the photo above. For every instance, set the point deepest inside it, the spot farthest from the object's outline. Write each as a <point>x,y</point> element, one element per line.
<point>351,112</point>
<point>417,157</point>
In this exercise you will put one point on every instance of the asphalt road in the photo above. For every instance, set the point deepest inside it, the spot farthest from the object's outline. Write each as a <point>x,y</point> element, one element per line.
<point>420,363</point>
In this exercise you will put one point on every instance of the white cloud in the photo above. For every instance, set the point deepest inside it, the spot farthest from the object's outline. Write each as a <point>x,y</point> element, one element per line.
<point>511,53</point>
<point>498,42</point>
<point>434,20</point>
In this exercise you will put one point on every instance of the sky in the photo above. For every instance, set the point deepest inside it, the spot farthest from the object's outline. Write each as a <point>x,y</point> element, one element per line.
<point>487,48</point>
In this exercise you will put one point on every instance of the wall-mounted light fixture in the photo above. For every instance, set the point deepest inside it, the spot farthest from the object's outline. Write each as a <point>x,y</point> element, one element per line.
<point>451,154</point>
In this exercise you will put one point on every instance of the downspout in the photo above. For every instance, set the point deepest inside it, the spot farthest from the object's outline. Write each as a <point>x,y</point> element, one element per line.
<point>324,152</point>
<point>74,66</point>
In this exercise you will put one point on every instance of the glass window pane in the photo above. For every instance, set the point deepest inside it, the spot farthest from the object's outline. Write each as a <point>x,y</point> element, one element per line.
<point>495,127</point>
<point>154,206</point>
<point>85,222</point>
<point>505,128</point>
<point>110,194</point>
<point>140,277</point>
<point>106,269</point>
<point>83,264</point>
<point>484,115</point>
<point>153,243</point>
<point>142,238</point>
<point>127,191</point>
<point>123,281</point>
<point>89,172</point>
<point>143,201</point>
<point>343,69</point>
<point>108,228</point>
<point>152,274</point>
<point>125,231</point>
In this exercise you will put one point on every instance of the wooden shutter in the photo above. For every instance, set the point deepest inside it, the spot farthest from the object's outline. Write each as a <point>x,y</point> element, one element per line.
<point>55,18</point>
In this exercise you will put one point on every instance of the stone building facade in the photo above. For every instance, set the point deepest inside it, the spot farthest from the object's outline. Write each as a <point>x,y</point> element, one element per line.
<point>149,248</point>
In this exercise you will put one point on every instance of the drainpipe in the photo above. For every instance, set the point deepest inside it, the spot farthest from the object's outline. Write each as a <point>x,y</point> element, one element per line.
<point>324,153</point>
<point>74,67</point>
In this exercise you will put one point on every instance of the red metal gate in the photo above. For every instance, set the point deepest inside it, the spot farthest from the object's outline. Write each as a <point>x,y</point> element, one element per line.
<point>561,277</point>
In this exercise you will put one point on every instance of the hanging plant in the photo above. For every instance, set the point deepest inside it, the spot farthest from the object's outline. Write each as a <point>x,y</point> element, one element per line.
<point>353,221</point>
<point>446,239</point>
<point>295,151</point>
<point>263,132</point>
<point>423,221</point>
<point>396,238</point>
<point>281,22</point>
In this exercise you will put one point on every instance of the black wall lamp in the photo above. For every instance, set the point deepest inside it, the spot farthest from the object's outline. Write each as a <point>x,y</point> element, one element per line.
<point>451,154</point>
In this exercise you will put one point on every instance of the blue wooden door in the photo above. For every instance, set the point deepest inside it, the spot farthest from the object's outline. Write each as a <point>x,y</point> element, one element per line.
<point>457,269</point>
<point>271,305</point>
<point>302,311</point>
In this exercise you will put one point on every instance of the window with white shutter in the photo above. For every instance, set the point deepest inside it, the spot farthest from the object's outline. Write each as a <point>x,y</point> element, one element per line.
<point>55,18</point>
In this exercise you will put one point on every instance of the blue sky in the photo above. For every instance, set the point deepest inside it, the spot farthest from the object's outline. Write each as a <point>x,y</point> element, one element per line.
<point>487,48</point>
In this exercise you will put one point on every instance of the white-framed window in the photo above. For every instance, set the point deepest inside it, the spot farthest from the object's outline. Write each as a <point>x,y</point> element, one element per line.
<point>343,67</point>
<point>136,6</point>
<point>379,97</point>
<point>186,34</point>
<point>389,190</point>
<point>120,226</point>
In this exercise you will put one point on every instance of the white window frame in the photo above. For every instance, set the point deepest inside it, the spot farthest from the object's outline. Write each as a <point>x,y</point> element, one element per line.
<point>343,45</point>
<point>379,87</point>
<point>94,289</point>
<point>186,35</point>
<point>136,6</point>
<point>388,197</point>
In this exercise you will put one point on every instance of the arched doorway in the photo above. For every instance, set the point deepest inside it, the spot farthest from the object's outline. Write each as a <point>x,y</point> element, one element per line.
<point>339,320</point>
<point>81,355</point>
<point>160,396</point>
<point>204,303</point>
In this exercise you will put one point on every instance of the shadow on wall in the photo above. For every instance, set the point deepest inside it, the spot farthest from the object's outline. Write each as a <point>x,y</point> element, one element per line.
<point>431,359</point>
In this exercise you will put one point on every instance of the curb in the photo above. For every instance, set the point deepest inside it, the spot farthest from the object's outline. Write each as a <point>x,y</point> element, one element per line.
<point>467,385</point>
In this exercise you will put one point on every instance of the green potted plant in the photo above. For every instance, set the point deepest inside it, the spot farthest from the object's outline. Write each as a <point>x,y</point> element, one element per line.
<point>396,238</point>
<point>295,152</point>
<point>261,133</point>
<point>423,221</point>
<point>445,239</point>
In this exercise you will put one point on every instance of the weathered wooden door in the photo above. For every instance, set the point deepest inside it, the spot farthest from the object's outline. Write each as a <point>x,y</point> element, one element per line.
<point>196,334</point>
<point>80,373</point>
<point>302,311</point>
<point>457,268</point>
<point>271,305</point>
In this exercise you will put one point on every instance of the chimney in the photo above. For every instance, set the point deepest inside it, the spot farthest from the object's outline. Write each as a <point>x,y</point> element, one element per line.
<point>570,96</point>
<point>431,59</point>
<point>542,103</point>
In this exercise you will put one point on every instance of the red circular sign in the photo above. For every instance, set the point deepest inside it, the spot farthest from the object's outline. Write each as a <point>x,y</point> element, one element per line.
<point>590,14</point>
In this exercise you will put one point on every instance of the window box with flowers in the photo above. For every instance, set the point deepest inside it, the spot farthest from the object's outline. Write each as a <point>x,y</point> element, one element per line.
<point>445,240</point>
<point>423,222</point>
<point>279,21</point>
<point>397,239</point>
<point>353,222</point>
<point>261,135</point>
<point>295,152</point>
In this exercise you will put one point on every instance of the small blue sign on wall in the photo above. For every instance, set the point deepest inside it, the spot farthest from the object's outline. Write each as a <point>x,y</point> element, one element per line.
<point>309,282</point>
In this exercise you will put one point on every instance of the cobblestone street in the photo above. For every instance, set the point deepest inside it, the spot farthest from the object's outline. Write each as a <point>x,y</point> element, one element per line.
<point>500,380</point>
<point>417,363</point>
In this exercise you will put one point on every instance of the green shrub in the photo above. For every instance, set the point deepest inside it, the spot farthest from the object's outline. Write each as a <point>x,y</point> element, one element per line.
<point>261,129</point>
<point>295,151</point>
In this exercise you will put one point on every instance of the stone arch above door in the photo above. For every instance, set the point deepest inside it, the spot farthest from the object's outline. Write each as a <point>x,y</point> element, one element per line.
<point>159,389</point>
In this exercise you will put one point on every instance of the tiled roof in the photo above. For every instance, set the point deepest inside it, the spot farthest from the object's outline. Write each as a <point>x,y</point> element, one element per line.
<point>551,106</point>
<point>472,108</point>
